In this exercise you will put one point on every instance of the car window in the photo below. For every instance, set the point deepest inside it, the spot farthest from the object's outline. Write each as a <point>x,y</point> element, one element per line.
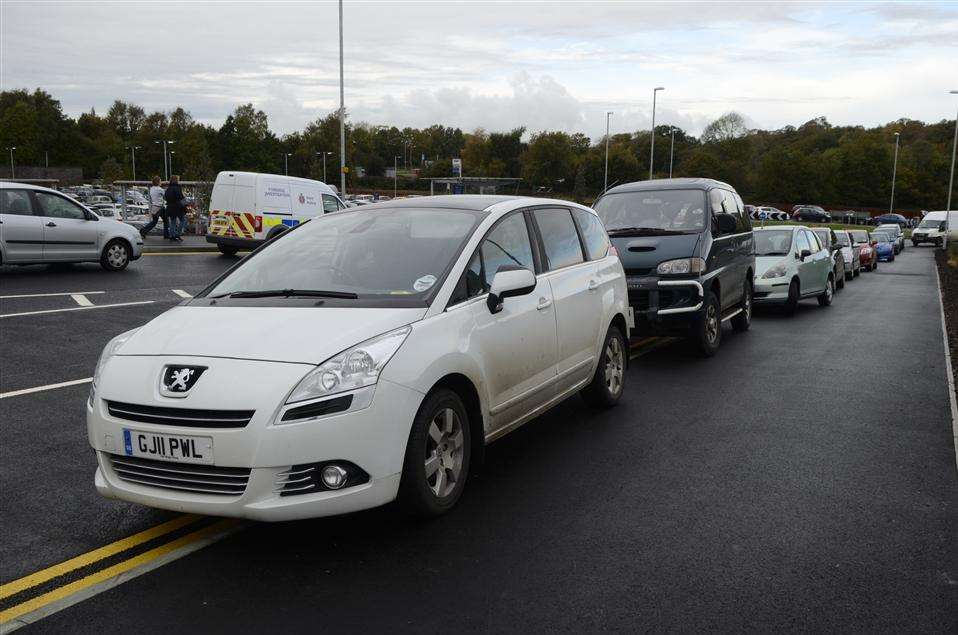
<point>593,234</point>
<point>744,224</point>
<point>559,237</point>
<point>471,283</point>
<point>801,242</point>
<point>59,207</point>
<point>814,243</point>
<point>330,204</point>
<point>16,202</point>
<point>507,244</point>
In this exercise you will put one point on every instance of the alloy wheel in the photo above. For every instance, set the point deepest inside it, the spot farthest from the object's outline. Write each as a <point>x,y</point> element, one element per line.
<point>444,449</point>
<point>711,323</point>
<point>116,255</point>
<point>614,365</point>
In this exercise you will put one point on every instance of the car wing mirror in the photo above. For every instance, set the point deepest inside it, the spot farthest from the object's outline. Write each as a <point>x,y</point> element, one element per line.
<point>725,224</point>
<point>805,254</point>
<point>510,281</point>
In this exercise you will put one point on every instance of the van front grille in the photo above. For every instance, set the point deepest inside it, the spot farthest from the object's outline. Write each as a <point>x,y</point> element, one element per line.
<point>199,479</point>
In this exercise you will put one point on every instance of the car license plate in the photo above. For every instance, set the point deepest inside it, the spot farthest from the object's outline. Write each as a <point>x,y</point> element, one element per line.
<point>168,447</point>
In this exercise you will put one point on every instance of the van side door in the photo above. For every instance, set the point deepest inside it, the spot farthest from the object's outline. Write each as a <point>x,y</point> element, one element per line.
<point>722,256</point>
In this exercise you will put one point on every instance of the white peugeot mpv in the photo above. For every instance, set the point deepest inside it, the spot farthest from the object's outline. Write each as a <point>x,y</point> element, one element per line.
<point>364,355</point>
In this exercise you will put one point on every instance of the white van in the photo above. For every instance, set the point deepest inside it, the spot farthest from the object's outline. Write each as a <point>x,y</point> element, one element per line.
<point>931,229</point>
<point>247,208</point>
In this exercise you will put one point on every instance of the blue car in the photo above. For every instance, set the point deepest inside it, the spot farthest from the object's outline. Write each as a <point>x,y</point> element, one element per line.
<point>884,246</point>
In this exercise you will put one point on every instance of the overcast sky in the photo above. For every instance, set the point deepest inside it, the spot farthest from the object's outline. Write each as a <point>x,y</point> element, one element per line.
<point>497,65</point>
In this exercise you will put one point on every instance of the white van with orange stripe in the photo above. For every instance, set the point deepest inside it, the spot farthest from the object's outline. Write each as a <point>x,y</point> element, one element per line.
<point>248,208</point>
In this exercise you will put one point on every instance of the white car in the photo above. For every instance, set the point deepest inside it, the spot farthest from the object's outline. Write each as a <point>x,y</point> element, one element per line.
<point>40,225</point>
<point>362,356</point>
<point>791,264</point>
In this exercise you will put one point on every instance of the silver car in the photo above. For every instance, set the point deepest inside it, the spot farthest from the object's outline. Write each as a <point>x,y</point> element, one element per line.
<point>40,225</point>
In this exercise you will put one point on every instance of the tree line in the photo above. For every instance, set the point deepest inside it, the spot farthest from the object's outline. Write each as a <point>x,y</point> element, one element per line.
<point>816,162</point>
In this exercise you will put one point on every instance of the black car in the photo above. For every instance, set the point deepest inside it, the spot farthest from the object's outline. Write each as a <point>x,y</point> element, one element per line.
<point>688,253</point>
<point>888,219</point>
<point>813,214</point>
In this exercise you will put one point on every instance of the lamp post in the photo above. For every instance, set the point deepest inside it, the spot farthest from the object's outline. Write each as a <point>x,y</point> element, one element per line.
<point>324,163</point>
<point>894,171</point>
<point>672,152</point>
<point>286,156</point>
<point>954,145</point>
<point>342,111</point>
<point>132,150</point>
<point>166,168</point>
<point>608,119</point>
<point>395,172</point>
<point>46,159</point>
<point>655,92</point>
<point>12,173</point>
<point>171,160</point>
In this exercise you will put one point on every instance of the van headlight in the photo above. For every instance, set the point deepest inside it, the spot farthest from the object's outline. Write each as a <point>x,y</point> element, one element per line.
<point>778,271</point>
<point>681,266</point>
<point>354,368</point>
<point>109,351</point>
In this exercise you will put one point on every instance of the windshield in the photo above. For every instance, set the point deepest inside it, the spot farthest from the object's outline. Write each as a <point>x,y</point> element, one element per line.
<point>882,238</point>
<point>859,236</point>
<point>822,235</point>
<point>843,239</point>
<point>672,211</point>
<point>386,254</point>
<point>773,242</point>
<point>931,224</point>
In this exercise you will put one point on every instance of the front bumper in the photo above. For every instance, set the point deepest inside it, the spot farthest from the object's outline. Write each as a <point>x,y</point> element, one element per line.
<point>661,306</point>
<point>770,290</point>
<point>372,438</point>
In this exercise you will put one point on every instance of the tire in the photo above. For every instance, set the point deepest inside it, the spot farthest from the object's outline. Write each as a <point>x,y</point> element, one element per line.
<point>116,255</point>
<point>826,297</point>
<point>839,282</point>
<point>857,272</point>
<point>892,259</point>
<point>743,320</point>
<point>276,232</point>
<point>794,292</point>
<point>707,329</point>
<point>914,243</point>
<point>441,419</point>
<point>227,251</point>
<point>608,382</point>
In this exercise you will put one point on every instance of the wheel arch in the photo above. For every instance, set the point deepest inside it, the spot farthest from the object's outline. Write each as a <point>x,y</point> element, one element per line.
<point>467,391</point>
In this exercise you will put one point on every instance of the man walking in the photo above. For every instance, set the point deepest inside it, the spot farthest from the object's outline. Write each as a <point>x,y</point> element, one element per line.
<point>175,210</point>
<point>157,210</point>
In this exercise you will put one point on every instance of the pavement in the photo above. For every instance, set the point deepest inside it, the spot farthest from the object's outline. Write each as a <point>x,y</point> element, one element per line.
<point>804,479</point>
<point>157,244</point>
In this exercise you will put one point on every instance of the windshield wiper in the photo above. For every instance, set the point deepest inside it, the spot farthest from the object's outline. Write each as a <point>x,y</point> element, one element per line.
<point>639,231</point>
<point>773,253</point>
<point>289,293</point>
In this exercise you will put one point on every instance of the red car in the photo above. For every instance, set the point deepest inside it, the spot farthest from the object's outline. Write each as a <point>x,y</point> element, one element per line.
<point>868,256</point>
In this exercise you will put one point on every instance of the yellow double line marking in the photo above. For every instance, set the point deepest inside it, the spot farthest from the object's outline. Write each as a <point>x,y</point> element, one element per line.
<point>72,588</point>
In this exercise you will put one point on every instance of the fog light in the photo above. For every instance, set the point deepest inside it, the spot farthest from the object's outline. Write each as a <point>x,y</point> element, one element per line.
<point>334,476</point>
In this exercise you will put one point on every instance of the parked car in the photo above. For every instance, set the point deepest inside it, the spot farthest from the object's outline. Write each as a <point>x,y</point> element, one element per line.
<point>932,229</point>
<point>790,265</point>
<point>898,237</point>
<point>812,213</point>
<point>851,254</point>
<point>867,254</point>
<point>247,208</point>
<point>896,219</point>
<point>40,225</point>
<point>884,246</point>
<point>773,213</point>
<point>828,239</point>
<point>360,357</point>
<point>686,245</point>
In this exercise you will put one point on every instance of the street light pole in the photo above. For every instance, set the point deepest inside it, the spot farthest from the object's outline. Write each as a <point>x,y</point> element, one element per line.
<point>286,156</point>
<point>894,171</point>
<point>172,152</point>
<point>954,146</point>
<point>608,119</point>
<point>46,159</point>
<point>342,110</point>
<point>324,153</point>
<point>133,150</point>
<point>395,172</point>
<point>12,172</point>
<point>672,152</point>
<point>655,92</point>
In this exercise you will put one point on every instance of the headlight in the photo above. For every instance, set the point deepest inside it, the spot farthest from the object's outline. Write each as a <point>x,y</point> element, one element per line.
<point>353,368</point>
<point>778,271</point>
<point>109,351</point>
<point>681,266</point>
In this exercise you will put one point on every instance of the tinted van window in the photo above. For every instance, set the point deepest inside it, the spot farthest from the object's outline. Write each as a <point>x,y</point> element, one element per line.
<point>678,211</point>
<point>559,237</point>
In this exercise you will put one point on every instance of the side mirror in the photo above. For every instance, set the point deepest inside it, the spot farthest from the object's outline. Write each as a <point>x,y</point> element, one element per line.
<point>725,224</point>
<point>805,254</point>
<point>510,281</point>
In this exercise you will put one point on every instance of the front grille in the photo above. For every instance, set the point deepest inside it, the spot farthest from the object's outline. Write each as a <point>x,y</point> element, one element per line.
<point>640,300</point>
<point>185,417</point>
<point>200,479</point>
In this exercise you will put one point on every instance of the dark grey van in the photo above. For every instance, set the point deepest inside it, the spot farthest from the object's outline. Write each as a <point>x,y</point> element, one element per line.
<point>688,253</point>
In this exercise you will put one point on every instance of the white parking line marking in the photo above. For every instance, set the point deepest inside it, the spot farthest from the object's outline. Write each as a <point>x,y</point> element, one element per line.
<point>27,391</point>
<point>181,293</point>
<point>77,308</point>
<point>48,295</point>
<point>81,299</point>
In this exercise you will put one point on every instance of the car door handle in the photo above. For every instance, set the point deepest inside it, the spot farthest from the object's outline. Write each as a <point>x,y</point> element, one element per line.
<point>544,303</point>
<point>593,285</point>
<point>51,224</point>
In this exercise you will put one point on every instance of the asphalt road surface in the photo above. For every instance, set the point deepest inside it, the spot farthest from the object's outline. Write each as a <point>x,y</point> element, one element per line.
<point>803,479</point>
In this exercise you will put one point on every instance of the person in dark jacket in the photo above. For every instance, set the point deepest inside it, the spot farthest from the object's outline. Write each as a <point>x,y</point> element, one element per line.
<point>175,209</point>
